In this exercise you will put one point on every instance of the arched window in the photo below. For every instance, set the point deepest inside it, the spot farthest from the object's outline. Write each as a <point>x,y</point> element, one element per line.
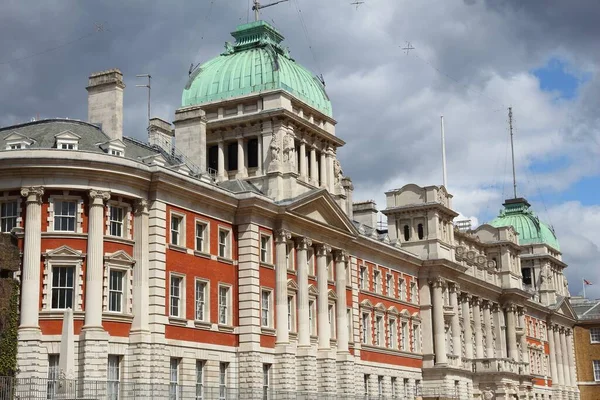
<point>406,233</point>
<point>420,231</point>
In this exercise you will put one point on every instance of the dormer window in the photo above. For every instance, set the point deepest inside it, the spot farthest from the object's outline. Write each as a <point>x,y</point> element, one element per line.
<point>67,140</point>
<point>117,153</point>
<point>114,147</point>
<point>16,141</point>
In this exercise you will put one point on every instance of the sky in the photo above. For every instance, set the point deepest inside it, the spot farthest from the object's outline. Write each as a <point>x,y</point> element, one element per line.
<point>472,59</point>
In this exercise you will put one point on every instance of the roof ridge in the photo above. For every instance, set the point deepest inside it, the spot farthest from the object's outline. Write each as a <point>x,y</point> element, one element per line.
<point>40,121</point>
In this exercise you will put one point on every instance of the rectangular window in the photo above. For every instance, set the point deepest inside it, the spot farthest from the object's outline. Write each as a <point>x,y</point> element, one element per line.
<point>63,287</point>
<point>393,387</point>
<point>392,341</point>
<point>176,230</point>
<point>595,335</point>
<point>64,215</point>
<point>201,301</point>
<point>53,376</point>
<point>380,386</point>
<point>8,216</point>
<point>366,385</point>
<point>174,379</point>
<point>266,380</point>
<point>113,377</point>
<point>175,296</point>
<point>289,256</point>
<point>311,317</point>
<point>291,307</point>
<point>224,243</point>
<point>116,221</point>
<point>224,305</point>
<point>265,309</point>
<point>223,380</point>
<point>416,339</point>
<point>413,292</point>
<point>405,388</point>
<point>389,285</point>
<point>366,327</point>
<point>401,289</point>
<point>265,245</point>
<point>331,315</point>
<point>362,278</point>
<point>376,281</point>
<point>404,336</point>
<point>115,291</point>
<point>200,379</point>
<point>378,331</point>
<point>201,237</point>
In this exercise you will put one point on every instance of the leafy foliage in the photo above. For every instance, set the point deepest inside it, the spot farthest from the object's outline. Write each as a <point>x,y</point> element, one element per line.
<point>9,321</point>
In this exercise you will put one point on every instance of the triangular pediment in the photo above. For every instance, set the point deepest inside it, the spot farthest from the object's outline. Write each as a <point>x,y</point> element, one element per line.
<point>332,295</point>
<point>119,257</point>
<point>564,308</point>
<point>312,290</point>
<point>320,207</point>
<point>64,251</point>
<point>380,307</point>
<point>366,303</point>
<point>291,285</point>
<point>67,135</point>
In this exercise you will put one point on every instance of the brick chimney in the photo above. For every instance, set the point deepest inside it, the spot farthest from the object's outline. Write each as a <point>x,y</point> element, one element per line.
<point>105,102</point>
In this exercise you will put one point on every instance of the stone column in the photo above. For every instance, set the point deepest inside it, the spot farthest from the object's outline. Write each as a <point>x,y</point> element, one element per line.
<point>242,173</point>
<point>565,356</point>
<point>302,166</point>
<point>523,339</point>
<point>314,174</point>
<point>560,373</point>
<point>571,356</point>
<point>499,331</point>
<point>260,155</point>
<point>455,323</point>
<point>95,261</point>
<point>140,269</point>
<point>323,299</point>
<point>477,326</point>
<point>553,351</point>
<point>324,183</point>
<point>330,173</point>
<point>466,314</point>
<point>302,245</point>
<point>281,238</point>
<point>221,161</point>
<point>487,320</point>
<point>511,332</point>
<point>439,334</point>
<point>30,297</point>
<point>341,313</point>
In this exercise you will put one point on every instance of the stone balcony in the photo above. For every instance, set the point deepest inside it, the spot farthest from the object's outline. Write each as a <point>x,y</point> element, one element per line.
<point>498,365</point>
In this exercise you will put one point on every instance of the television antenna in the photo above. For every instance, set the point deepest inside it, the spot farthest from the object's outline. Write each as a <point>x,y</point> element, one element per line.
<point>408,47</point>
<point>357,4</point>
<point>257,7</point>
<point>148,85</point>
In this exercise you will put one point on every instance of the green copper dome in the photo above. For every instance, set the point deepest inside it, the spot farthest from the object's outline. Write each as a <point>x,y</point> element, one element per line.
<point>516,213</point>
<point>256,62</point>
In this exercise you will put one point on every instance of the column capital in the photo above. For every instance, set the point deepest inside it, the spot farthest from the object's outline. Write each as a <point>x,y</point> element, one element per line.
<point>303,243</point>
<point>475,301</point>
<point>140,206</point>
<point>323,249</point>
<point>561,330</point>
<point>33,193</point>
<point>510,307</point>
<point>521,310</point>
<point>437,282</point>
<point>465,297</point>
<point>454,287</point>
<point>486,304</point>
<point>568,332</point>
<point>282,235</point>
<point>495,307</point>
<point>98,197</point>
<point>341,256</point>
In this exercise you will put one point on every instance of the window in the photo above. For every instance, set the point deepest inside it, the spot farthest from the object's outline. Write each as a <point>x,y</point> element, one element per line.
<point>115,291</point>
<point>266,380</point>
<point>404,337</point>
<point>393,387</point>
<point>595,335</point>
<point>176,230</point>
<point>406,233</point>
<point>265,309</point>
<point>349,319</point>
<point>362,277</point>
<point>420,231</point>
<point>366,326</point>
<point>16,146</point>
<point>380,386</point>
<point>311,317</point>
<point>200,379</point>
<point>416,339</point>
<point>201,229</point>
<point>232,156</point>
<point>8,216</point>
<point>389,285</point>
<point>117,153</point>
<point>331,314</point>
<point>265,249</point>
<point>174,379</point>
<point>392,331</point>
<point>366,385</point>
<point>413,292</point>
<point>405,388</point>
<point>223,380</point>
<point>401,289</point>
<point>63,287</point>
<point>201,301</point>
<point>224,243</point>
<point>379,330</point>
<point>291,307</point>
<point>116,221</point>
<point>113,377</point>
<point>53,375</point>
<point>175,296</point>
<point>289,256</point>
<point>526,272</point>
<point>253,153</point>
<point>64,215</point>
<point>376,281</point>
<point>224,305</point>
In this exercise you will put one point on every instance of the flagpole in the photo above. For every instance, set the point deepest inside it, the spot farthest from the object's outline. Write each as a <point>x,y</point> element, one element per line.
<point>583,282</point>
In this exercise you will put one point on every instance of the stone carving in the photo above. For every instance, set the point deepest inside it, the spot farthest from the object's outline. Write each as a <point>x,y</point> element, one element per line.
<point>275,152</point>
<point>488,394</point>
<point>99,195</point>
<point>303,243</point>
<point>35,192</point>
<point>228,49</point>
<point>288,149</point>
<point>337,172</point>
<point>140,206</point>
<point>282,236</point>
<point>491,264</point>
<point>323,250</point>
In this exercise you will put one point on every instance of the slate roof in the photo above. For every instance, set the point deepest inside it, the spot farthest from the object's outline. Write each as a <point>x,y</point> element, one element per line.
<point>238,186</point>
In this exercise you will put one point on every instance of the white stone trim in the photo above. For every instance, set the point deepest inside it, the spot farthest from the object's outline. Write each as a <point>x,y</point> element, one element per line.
<point>269,260</point>
<point>121,261</point>
<point>228,245</point>
<point>271,322</point>
<point>127,218</point>
<point>67,138</point>
<point>68,257</point>
<point>78,212</point>
<point>206,238</point>
<point>182,295</point>
<point>229,305</point>
<point>206,319</point>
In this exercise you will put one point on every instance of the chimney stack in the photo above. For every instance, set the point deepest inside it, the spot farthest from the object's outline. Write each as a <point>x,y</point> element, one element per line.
<point>105,102</point>
<point>365,212</point>
<point>190,135</point>
<point>161,134</point>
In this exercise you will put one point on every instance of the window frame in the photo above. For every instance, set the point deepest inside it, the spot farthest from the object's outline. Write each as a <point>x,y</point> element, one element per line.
<point>123,291</point>
<point>113,383</point>
<point>376,281</point>
<point>174,215</point>
<point>290,256</point>
<point>181,297</point>
<point>404,337</point>
<point>65,217</point>
<point>389,284</point>
<point>312,316</point>
<point>267,368</point>
<point>332,317</point>
<point>402,288</point>
<point>379,330</point>
<point>595,331</point>
<point>205,248</point>
<point>206,307</point>
<point>366,334</point>
<point>228,305</point>
<point>223,380</point>
<point>200,378</point>
<point>363,279</point>
<point>269,308</point>
<point>414,292</point>
<point>73,289</point>
<point>291,316</point>
<point>174,385</point>
<point>226,253</point>
<point>17,216</point>
<point>266,249</point>
<point>392,333</point>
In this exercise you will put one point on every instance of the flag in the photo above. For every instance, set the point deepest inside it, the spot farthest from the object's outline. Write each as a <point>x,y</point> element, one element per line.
<point>585,281</point>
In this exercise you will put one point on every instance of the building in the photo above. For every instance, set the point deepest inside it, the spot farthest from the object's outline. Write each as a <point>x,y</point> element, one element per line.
<point>587,346</point>
<point>227,257</point>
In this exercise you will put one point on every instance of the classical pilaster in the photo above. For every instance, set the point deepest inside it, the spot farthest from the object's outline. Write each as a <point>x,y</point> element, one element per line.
<point>140,269</point>
<point>511,331</point>
<point>324,182</point>
<point>281,238</point>
<point>221,160</point>
<point>330,173</point>
<point>302,245</point>
<point>30,297</point>
<point>260,155</point>
<point>553,351</point>
<point>565,357</point>
<point>489,338</point>
<point>479,353</point>
<point>241,159</point>
<point>499,330</point>
<point>560,373</point>
<point>323,298</point>
<point>95,260</point>
<point>571,356</point>
<point>314,173</point>
<point>455,323</point>
<point>341,313</point>
<point>468,332</point>
<point>302,166</point>
<point>439,335</point>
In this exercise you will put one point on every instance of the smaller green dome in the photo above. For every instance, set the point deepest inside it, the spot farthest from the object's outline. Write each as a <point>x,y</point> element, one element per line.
<point>257,62</point>
<point>531,230</point>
